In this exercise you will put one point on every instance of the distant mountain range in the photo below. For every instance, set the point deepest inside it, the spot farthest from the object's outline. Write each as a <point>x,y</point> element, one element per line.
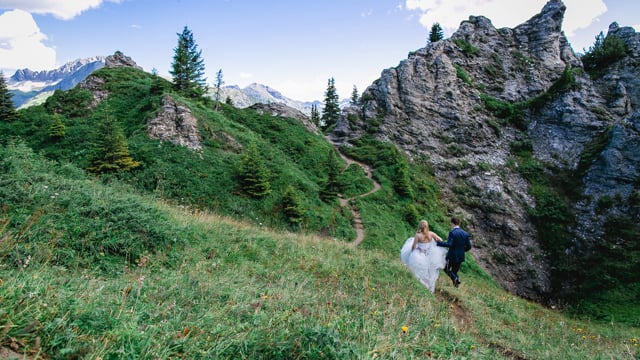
<point>33,87</point>
<point>261,94</point>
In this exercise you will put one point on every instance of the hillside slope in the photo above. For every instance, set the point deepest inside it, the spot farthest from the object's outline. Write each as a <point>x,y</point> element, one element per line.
<point>537,153</point>
<point>99,271</point>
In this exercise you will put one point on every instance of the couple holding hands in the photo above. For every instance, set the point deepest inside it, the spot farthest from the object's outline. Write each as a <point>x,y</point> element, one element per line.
<point>426,253</point>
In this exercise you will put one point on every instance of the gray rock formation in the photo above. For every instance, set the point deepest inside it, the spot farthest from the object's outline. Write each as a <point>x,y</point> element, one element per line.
<point>175,123</point>
<point>118,59</point>
<point>432,105</point>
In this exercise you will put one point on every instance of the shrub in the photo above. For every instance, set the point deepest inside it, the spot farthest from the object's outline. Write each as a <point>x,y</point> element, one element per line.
<point>467,49</point>
<point>462,74</point>
<point>604,52</point>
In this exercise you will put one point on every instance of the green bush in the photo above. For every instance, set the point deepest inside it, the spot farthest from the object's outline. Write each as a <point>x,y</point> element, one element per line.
<point>467,49</point>
<point>462,74</point>
<point>604,52</point>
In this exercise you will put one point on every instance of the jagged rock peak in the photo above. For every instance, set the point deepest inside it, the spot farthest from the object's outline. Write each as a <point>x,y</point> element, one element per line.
<point>119,59</point>
<point>629,35</point>
<point>551,16</point>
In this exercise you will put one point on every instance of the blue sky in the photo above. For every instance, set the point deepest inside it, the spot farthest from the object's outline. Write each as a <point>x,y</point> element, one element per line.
<point>293,46</point>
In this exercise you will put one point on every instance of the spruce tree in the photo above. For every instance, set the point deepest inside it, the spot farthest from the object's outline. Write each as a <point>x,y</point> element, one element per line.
<point>254,175</point>
<point>57,128</point>
<point>331,186</point>
<point>331,110</point>
<point>292,206</point>
<point>219,83</point>
<point>187,68</point>
<point>315,115</point>
<point>436,33</point>
<point>354,96</point>
<point>7,109</point>
<point>110,149</point>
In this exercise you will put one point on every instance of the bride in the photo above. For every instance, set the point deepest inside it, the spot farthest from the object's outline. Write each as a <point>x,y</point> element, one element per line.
<point>423,257</point>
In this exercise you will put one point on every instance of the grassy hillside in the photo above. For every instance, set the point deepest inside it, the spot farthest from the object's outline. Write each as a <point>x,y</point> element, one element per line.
<point>209,179</point>
<point>134,264</point>
<point>138,278</point>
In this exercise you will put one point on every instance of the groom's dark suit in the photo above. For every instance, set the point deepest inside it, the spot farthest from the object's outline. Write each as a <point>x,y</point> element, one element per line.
<point>458,243</point>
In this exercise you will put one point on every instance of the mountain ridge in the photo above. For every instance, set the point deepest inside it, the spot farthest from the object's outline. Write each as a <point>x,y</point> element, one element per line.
<point>518,135</point>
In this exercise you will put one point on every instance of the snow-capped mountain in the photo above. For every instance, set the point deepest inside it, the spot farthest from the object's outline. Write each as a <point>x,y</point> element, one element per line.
<point>33,87</point>
<point>30,87</point>
<point>261,94</point>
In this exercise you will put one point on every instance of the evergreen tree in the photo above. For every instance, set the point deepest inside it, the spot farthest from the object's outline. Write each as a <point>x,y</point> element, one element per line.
<point>292,206</point>
<point>7,109</point>
<point>57,128</point>
<point>315,115</point>
<point>402,183</point>
<point>228,100</point>
<point>110,149</point>
<point>219,83</point>
<point>331,110</point>
<point>436,33</point>
<point>604,52</point>
<point>354,96</point>
<point>254,175</point>
<point>187,68</point>
<point>331,186</point>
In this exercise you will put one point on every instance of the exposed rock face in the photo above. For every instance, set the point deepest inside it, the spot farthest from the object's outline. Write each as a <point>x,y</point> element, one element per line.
<point>431,105</point>
<point>118,59</point>
<point>175,123</point>
<point>95,85</point>
<point>282,110</point>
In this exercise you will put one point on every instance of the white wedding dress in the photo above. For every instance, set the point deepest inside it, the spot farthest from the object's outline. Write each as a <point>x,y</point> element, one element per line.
<point>425,261</point>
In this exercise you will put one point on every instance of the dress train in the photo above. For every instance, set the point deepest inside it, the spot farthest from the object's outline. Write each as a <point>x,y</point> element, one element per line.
<point>425,261</point>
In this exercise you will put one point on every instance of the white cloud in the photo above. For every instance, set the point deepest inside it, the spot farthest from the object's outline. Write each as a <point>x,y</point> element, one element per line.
<point>22,44</point>
<point>61,9</point>
<point>503,13</point>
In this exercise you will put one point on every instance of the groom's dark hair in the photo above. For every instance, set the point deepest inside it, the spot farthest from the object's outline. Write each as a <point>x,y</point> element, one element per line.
<point>455,221</point>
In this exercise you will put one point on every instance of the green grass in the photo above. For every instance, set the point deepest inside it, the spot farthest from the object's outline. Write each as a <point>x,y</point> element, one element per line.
<point>236,291</point>
<point>172,260</point>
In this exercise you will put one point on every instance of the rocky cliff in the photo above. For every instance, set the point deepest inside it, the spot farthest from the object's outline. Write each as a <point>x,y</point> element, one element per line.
<point>468,103</point>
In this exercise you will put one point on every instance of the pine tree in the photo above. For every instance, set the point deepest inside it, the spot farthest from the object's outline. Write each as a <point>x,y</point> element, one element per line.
<point>436,33</point>
<point>7,109</point>
<point>254,175</point>
<point>292,206</point>
<point>402,183</point>
<point>354,96</point>
<point>331,110</point>
<point>331,186</point>
<point>110,150</point>
<point>188,67</point>
<point>57,128</point>
<point>219,83</point>
<point>315,115</point>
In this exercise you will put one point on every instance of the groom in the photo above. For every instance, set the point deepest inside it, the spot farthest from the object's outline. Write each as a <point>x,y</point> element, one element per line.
<point>458,243</point>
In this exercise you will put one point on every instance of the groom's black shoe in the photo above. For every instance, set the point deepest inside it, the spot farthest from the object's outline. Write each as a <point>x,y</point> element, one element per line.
<point>456,283</point>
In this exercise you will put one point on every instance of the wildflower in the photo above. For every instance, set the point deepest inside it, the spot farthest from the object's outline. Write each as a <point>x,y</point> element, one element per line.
<point>472,347</point>
<point>405,329</point>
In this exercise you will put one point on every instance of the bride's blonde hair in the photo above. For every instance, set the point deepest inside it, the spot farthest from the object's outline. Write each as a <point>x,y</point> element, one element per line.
<point>423,227</point>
